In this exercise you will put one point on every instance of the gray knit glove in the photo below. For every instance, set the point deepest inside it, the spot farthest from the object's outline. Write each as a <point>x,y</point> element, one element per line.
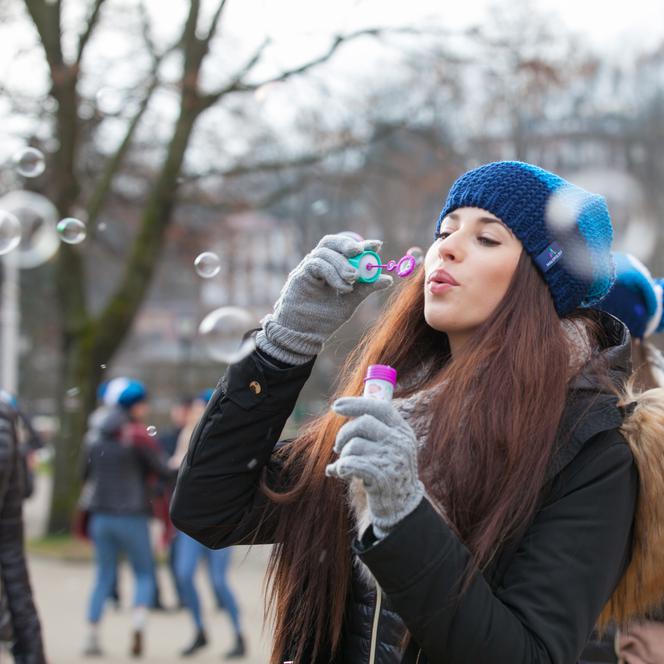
<point>319,296</point>
<point>380,448</point>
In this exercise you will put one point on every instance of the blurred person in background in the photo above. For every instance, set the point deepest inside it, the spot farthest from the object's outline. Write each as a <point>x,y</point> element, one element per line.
<point>120,460</point>
<point>636,299</point>
<point>189,552</point>
<point>19,622</point>
<point>179,415</point>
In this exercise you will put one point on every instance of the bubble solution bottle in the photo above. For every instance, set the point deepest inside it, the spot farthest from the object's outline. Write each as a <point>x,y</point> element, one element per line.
<point>380,381</point>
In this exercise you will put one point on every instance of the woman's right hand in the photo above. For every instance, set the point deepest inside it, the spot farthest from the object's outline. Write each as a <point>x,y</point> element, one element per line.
<point>319,296</point>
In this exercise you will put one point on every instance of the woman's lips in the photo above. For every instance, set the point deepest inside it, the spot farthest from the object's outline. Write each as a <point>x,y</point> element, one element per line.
<point>437,287</point>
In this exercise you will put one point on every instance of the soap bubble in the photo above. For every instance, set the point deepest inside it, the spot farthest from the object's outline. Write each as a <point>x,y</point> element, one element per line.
<point>30,162</point>
<point>252,464</point>
<point>10,232</point>
<point>563,209</point>
<point>73,392</point>
<point>37,216</point>
<point>102,366</point>
<point>222,331</point>
<point>207,265</point>
<point>417,253</point>
<point>152,431</point>
<point>320,207</point>
<point>109,101</point>
<point>71,230</point>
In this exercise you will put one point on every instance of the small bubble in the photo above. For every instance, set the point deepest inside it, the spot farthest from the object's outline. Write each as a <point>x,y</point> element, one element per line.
<point>73,392</point>
<point>109,101</point>
<point>417,253</point>
<point>102,227</point>
<point>30,162</point>
<point>207,265</point>
<point>252,464</point>
<point>323,555</point>
<point>103,366</point>
<point>320,207</point>
<point>71,230</point>
<point>10,232</point>
<point>152,431</point>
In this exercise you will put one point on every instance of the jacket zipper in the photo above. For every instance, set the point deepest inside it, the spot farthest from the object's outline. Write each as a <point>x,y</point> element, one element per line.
<point>374,629</point>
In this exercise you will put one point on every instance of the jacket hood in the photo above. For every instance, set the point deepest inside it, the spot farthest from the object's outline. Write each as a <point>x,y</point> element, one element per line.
<point>615,354</point>
<point>106,422</point>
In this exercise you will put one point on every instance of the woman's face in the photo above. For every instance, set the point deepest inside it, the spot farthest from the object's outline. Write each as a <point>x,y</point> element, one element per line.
<point>468,270</point>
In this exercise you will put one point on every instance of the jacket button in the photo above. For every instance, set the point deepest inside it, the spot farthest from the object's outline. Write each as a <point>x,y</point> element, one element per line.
<point>255,387</point>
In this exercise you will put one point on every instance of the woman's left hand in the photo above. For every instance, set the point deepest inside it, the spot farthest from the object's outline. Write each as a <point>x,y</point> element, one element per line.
<point>380,448</point>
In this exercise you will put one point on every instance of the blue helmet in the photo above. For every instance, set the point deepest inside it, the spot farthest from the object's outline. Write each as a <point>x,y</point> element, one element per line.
<point>124,392</point>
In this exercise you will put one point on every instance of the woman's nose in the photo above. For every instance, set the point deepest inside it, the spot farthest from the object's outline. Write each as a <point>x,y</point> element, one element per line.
<point>450,248</point>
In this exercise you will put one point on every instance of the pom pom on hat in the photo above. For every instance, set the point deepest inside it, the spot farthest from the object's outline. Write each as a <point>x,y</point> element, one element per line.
<point>124,392</point>
<point>574,256</point>
<point>636,298</point>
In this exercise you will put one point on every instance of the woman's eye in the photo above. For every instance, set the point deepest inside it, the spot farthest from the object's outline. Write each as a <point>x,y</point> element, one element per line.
<point>442,235</point>
<point>488,242</point>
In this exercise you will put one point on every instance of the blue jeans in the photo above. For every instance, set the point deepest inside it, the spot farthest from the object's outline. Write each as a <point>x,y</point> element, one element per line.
<point>188,553</point>
<point>113,534</point>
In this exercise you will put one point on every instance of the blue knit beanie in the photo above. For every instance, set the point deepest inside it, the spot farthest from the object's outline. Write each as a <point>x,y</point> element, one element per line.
<point>574,258</point>
<point>124,392</point>
<point>636,298</point>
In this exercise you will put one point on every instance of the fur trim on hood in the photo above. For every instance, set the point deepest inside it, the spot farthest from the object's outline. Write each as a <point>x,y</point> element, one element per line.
<point>641,588</point>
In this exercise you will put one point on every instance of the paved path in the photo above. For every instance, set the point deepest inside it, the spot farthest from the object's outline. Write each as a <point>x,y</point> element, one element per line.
<point>62,589</point>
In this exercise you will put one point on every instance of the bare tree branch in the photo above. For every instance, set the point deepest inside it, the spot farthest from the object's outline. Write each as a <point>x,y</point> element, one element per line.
<point>215,21</point>
<point>275,165</point>
<point>90,26</point>
<point>105,182</point>
<point>46,18</point>
<point>237,84</point>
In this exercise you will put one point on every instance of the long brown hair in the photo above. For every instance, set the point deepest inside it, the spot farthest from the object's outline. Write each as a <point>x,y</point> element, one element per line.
<point>491,439</point>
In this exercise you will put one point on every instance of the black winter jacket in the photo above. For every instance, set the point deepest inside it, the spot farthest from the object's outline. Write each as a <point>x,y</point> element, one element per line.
<point>119,457</point>
<point>15,588</point>
<point>536,604</point>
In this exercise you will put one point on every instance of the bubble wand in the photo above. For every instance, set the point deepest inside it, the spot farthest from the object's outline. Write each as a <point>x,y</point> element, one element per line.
<point>369,265</point>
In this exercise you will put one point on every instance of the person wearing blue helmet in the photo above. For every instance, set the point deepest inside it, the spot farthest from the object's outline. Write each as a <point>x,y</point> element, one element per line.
<point>189,552</point>
<point>120,458</point>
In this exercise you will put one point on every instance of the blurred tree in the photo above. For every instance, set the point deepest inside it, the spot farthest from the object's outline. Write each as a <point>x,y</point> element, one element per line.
<point>83,176</point>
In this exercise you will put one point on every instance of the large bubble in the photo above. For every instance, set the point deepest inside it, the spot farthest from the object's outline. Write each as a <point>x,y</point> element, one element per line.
<point>37,216</point>
<point>222,332</point>
<point>30,162</point>
<point>10,232</point>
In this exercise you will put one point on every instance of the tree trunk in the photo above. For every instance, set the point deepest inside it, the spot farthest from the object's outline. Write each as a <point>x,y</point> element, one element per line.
<point>80,370</point>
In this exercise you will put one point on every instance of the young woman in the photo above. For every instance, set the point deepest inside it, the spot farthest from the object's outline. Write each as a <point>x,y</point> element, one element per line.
<point>485,514</point>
